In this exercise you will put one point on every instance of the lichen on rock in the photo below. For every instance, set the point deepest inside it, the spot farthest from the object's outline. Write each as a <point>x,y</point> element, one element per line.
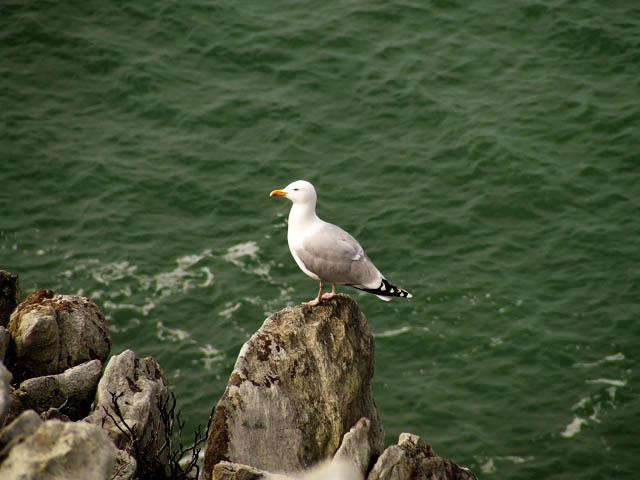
<point>299,384</point>
<point>51,333</point>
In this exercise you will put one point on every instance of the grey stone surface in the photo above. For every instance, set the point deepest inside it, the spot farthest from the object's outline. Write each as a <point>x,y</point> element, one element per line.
<point>13,408</point>
<point>52,333</point>
<point>61,451</point>
<point>235,471</point>
<point>141,387</point>
<point>355,447</point>
<point>9,293</point>
<point>71,392</point>
<point>298,385</point>
<point>21,427</point>
<point>412,459</point>
<point>125,466</point>
<point>5,339</point>
<point>5,385</point>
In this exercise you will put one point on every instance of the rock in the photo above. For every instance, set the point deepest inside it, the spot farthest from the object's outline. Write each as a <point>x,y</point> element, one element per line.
<point>13,408</point>
<point>23,426</point>
<point>141,388</point>
<point>355,447</point>
<point>5,339</point>
<point>125,467</point>
<point>235,471</point>
<point>52,333</point>
<point>5,385</point>
<point>337,470</point>
<point>61,451</point>
<point>412,459</point>
<point>298,385</point>
<point>9,294</point>
<point>70,392</point>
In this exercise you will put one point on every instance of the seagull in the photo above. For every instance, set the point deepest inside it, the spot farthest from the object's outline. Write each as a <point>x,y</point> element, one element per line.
<point>327,253</point>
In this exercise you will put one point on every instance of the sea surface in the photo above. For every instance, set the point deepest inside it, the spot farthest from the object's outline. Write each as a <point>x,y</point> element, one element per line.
<point>486,155</point>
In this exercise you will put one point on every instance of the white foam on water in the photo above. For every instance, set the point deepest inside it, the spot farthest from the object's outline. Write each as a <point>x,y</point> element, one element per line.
<point>573,428</point>
<point>393,332</point>
<point>582,403</point>
<point>596,410</point>
<point>230,308</point>
<point>111,272</point>
<point>242,254</point>
<point>488,467</point>
<point>516,459</point>
<point>608,381</point>
<point>246,249</point>
<point>612,393</point>
<point>616,357</point>
<point>211,355</point>
<point>209,277</point>
<point>165,333</point>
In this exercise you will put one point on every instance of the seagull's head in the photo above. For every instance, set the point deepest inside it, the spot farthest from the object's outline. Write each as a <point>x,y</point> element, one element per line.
<point>299,192</point>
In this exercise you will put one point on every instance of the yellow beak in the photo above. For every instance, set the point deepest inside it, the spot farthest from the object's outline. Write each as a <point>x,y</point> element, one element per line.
<point>278,193</point>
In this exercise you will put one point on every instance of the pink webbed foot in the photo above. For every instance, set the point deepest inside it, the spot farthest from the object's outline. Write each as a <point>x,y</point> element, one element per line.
<point>312,303</point>
<point>331,294</point>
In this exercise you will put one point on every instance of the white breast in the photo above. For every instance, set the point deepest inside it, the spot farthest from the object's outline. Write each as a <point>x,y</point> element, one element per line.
<point>295,241</point>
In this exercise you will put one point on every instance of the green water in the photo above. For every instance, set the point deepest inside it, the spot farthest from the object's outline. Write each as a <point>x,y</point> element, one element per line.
<point>486,155</point>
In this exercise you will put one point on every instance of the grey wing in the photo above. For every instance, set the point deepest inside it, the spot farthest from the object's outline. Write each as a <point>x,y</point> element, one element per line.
<point>335,256</point>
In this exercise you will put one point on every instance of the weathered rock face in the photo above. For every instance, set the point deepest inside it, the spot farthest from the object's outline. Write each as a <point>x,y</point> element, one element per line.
<point>51,333</point>
<point>412,459</point>
<point>71,391</point>
<point>355,447</point>
<point>24,425</point>
<point>5,385</point>
<point>325,471</point>
<point>5,339</point>
<point>299,384</point>
<point>58,450</point>
<point>140,387</point>
<point>9,293</point>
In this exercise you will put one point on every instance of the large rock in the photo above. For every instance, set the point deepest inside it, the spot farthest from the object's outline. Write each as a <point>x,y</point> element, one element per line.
<point>140,388</point>
<point>51,333</point>
<point>299,384</point>
<point>412,459</point>
<point>71,392</point>
<point>335,470</point>
<point>9,293</point>
<point>355,447</point>
<point>5,339</point>
<point>235,471</point>
<point>24,425</point>
<point>5,386</point>
<point>60,451</point>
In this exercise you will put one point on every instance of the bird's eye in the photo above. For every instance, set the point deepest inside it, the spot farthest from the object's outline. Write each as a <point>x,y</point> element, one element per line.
<point>296,189</point>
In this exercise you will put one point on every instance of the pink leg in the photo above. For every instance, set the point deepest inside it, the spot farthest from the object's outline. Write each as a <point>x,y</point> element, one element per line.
<point>316,300</point>
<point>330,295</point>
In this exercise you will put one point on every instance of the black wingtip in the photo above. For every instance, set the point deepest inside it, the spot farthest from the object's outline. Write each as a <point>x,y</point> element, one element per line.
<point>386,289</point>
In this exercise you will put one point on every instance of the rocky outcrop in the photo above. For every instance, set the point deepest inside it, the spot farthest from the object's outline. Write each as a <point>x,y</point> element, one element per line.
<point>57,450</point>
<point>356,448</point>
<point>412,459</point>
<point>9,293</point>
<point>5,386</point>
<point>299,384</point>
<point>298,404</point>
<point>5,338</point>
<point>51,333</point>
<point>236,471</point>
<point>139,387</point>
<point>70,392</point>
<point>324,471</point>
